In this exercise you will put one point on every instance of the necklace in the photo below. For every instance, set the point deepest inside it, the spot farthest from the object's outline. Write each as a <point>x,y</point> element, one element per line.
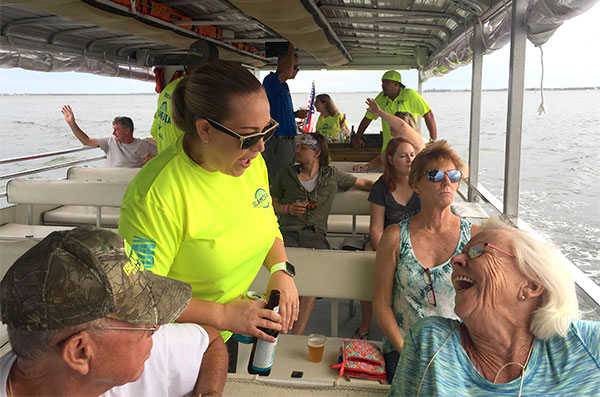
<point>520,365</point>
<point>495,378</point>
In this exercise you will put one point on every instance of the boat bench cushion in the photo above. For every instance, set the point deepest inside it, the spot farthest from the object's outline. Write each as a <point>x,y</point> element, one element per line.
<point>86,215</point>
<point>65,192</point>
<point>102,173</point>
<point>469,210</point>
<point>342,224</point>
<point>81,215</point>
<point>36,232</point>
<point>10,231</point>
<point>328,273</point>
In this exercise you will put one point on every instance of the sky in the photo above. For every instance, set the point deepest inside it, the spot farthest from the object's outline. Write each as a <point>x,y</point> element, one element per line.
<point>569,61</point>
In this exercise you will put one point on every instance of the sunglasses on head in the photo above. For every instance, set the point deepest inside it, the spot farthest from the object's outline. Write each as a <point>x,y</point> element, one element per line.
<point>478,249</point>
<point>247,141</point>
<point>437,175</point>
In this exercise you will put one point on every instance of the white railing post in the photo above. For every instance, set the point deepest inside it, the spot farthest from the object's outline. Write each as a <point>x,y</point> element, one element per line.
<point>516,87</point>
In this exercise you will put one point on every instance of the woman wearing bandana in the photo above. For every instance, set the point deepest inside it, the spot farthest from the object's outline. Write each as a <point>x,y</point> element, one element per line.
<point>302,196</point>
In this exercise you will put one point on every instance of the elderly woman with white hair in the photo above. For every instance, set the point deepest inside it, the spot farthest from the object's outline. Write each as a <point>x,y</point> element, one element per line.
<point>518,334</point>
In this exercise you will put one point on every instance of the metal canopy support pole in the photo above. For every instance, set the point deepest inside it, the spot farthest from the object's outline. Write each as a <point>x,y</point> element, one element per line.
<point>475,122</point>
<point>420,91</point>
<point>516,85</point>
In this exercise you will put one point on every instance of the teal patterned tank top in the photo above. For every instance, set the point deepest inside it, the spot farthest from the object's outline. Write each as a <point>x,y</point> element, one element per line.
<point>409,295</point>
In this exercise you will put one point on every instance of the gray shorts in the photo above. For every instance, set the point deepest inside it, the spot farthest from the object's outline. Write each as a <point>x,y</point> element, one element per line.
<point>306,238</point>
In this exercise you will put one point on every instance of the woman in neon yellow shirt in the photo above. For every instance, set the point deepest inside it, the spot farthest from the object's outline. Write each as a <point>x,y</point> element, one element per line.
<point>201,210</point>
<point>331,121</point>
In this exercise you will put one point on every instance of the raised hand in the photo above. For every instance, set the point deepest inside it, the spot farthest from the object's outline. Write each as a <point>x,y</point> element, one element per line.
<point>68,114</point>
<point>343,121</point>
<point>373,107</point>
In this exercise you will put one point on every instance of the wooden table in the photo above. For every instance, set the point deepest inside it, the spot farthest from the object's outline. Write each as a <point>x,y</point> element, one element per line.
<point>345,152</point>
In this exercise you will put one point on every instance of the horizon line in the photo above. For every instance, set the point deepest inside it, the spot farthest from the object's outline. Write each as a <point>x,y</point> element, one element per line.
<point>300,92</point>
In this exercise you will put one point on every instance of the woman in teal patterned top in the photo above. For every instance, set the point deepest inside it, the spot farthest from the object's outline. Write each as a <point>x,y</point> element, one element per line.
<point>412,276</point>
<point>518,334</point>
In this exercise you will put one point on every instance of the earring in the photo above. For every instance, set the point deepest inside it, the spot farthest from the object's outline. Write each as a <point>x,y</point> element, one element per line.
<point>205,143</point>
<point>522,297</point>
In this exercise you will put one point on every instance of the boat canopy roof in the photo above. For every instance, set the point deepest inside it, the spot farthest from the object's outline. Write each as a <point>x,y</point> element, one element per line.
<point>125,38</point>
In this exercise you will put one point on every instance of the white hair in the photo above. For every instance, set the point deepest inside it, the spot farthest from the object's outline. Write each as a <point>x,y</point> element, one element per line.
<point>541,262</point>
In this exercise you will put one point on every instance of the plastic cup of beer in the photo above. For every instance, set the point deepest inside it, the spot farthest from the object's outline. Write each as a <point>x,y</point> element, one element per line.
<point>316,346</point>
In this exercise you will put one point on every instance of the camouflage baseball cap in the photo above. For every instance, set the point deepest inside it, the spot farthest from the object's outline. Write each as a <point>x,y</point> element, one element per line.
<point>75,276</point>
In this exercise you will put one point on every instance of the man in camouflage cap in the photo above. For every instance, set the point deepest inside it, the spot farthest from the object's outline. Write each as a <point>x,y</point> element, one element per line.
<point>83,318</point>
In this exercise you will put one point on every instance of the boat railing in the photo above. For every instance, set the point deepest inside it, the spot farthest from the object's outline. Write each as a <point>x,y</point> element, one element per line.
<point>33,171</point>
<point>587,289</point>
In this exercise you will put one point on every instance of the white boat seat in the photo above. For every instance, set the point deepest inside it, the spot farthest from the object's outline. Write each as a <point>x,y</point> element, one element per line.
<point>35,232</point>
<point>316,270</point>
<point>342,224</point>
<point>471,211</point>
<point>102,174</point>
<point>81,215</point>
<point>65,192</point>
<point>11,249</point>
<point>11,231</point>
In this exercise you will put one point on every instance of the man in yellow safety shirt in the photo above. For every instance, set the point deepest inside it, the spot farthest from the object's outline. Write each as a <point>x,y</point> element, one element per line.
<point>393,98</point>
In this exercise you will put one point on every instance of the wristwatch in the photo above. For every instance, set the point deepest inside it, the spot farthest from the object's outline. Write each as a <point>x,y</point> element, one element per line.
<point>285,266</point>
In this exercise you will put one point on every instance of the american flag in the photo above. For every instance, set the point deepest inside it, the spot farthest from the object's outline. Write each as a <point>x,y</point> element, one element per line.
<point>309,121</point>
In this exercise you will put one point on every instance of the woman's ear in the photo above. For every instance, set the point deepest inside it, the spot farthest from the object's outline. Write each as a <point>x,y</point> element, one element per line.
<point>531,289</point>
<point>415,186</point>
<point>203,130</point>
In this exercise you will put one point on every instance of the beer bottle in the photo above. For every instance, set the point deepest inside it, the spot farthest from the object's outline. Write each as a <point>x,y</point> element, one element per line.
<point>261,358</point>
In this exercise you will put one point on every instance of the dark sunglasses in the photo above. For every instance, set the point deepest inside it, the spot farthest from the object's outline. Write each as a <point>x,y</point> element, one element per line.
<point>478,249</point>
<point>437,175</point>
<point>247,141</point>
<point>430,292</point>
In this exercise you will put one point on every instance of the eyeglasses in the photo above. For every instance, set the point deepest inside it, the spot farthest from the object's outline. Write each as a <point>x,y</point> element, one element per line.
<point>430,292</point>
<point>151,329</point>
<point>437,175</point>
<point>478,249</point>
<point>247,141</point>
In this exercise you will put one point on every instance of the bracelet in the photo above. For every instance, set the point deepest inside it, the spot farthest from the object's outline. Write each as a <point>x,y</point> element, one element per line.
<point>287,207</point>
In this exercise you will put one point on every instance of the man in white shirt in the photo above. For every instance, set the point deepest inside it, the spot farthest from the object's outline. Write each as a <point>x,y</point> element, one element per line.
<point>84,318</point>
<point>122,149</point>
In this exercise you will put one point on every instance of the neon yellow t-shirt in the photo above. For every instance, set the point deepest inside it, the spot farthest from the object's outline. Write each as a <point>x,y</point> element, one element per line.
<point>408,100</point>
<point>208,229</point>
<point>163,128</point>
<point>330,126</point>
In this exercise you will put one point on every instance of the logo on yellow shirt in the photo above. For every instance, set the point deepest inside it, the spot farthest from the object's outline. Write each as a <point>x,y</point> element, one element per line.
<point>262,198</point>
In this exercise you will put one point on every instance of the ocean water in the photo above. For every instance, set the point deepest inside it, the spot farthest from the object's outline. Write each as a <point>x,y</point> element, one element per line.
<point>560,173</point>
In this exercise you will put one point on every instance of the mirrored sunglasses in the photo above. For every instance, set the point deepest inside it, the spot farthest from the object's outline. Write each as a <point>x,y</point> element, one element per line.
<point>247,141</point>
<point>478,249</point>
<point>437,175</point>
